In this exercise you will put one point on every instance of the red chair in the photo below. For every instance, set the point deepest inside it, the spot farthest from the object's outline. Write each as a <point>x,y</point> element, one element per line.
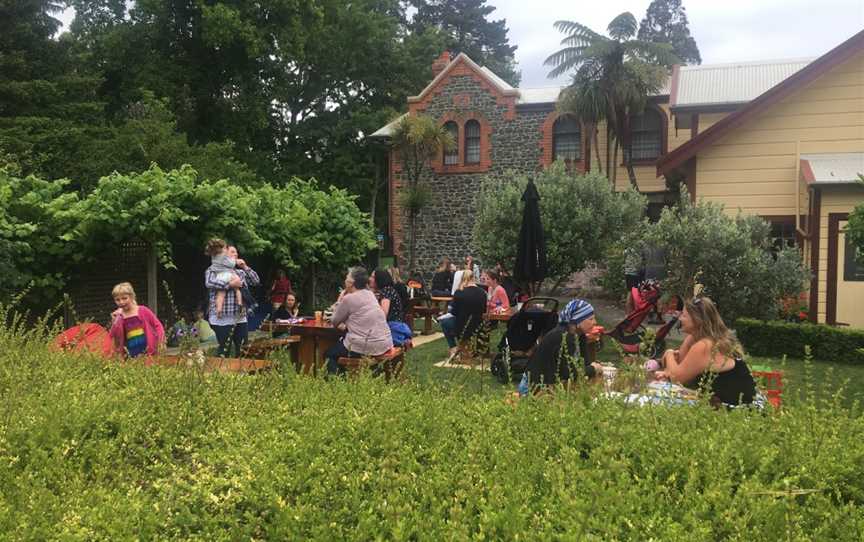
<point>772,383</point>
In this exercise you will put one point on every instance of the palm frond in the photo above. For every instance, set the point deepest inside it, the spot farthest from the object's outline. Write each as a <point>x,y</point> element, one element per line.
<point>649,51</point>
<point>577,29</point>
<point>622,27</point>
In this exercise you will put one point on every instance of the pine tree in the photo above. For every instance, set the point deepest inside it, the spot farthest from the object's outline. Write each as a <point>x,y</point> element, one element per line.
<point>467,29</point>
<point>666,22</point>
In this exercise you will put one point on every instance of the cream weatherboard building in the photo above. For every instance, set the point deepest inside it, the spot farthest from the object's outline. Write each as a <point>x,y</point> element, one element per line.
<point>791,155</point>
<point>780,139</point>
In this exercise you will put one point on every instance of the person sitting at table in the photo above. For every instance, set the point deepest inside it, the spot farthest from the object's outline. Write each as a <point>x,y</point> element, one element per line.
<point>467,308</point>
<point>367,331</point>
<point>442,280</point>
<point>382,285</point>
<point>289,309</point>
<point>498,302</point>
<point>549,363</point>
<point>396,275</point>
<point>710,357</point>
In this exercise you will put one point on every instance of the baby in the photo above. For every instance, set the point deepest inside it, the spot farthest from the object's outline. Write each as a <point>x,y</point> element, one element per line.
<point>223,265</point>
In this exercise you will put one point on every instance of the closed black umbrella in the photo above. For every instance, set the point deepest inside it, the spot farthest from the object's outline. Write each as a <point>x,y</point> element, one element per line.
<point>531,253</point>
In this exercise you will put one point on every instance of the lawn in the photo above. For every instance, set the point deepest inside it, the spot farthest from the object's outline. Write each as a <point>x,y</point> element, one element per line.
<point>828,378</point>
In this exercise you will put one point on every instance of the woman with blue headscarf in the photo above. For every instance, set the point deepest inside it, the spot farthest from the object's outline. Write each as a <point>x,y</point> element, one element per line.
<point>551,362</point>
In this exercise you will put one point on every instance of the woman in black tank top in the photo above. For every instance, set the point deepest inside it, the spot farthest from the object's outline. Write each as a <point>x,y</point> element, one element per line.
<point>710,358</point>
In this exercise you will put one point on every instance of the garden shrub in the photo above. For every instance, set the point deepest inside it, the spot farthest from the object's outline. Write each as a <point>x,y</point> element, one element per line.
<point>582,216</point>
<point>775,339</point>
<point>732,258</point>
<point>94,450</point>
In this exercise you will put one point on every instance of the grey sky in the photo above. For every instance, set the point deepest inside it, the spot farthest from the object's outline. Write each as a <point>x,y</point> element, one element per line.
<point>725,30</point>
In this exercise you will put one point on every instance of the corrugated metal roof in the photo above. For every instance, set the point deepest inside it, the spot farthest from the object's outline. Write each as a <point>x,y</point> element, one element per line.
<point>840,168</point>
<point>736,83</point>
<point>542,95</point>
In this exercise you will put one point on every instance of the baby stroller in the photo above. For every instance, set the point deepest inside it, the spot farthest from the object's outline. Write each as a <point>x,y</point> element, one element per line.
<point>537,316</point>
<point>630,331</point>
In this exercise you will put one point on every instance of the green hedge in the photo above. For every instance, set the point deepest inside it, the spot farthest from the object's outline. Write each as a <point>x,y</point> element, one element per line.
<point>90,451</point>
<point>776,339</point>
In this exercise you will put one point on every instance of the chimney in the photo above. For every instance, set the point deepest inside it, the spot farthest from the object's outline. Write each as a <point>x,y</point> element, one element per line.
<point>440,63</point>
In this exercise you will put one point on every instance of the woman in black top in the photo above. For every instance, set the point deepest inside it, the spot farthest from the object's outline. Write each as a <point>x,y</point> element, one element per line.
<point>391,302</point>
<point>710,357</point>
<point>442,280</point>
<point>468,307</point>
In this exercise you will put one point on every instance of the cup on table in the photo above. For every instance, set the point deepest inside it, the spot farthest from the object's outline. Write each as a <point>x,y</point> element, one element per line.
<point>319,317</point>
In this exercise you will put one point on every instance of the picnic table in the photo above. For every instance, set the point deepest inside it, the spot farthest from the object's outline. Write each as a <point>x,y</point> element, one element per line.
<point>315,339</point>
<point>415,309</point>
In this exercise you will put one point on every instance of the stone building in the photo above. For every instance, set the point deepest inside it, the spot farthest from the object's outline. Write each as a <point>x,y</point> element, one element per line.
<point>499,129</point>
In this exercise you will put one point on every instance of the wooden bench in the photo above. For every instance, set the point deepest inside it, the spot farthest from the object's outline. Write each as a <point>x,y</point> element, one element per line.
<point>391,361</point>
<point>262,348</point>
<point>425,312</point>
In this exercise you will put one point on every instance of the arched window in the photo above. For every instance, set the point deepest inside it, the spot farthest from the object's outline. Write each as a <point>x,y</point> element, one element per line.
<point>646,135</point>
<point>566,139</point>
<point>451,157</point>
<point>472,142</point>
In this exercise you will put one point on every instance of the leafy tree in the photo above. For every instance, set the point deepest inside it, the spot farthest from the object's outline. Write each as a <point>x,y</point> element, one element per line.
<point>615,73</point>
<point>418,139</point>
<point>467,29</point>
<point>855,226</point>
<point>31,252</point>
<point>582,216</point>
<point>731,258</point>
<point>666,22</point>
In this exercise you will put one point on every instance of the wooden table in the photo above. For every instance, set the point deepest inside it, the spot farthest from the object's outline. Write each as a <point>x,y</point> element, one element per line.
<point>415,309</point>
<point>315,339</point>
<point>262,348</point>
<point>441,302</point>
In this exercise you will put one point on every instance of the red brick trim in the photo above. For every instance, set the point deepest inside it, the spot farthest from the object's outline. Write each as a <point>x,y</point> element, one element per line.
<point>547,137</point>
<point>460,118</point>
<point>806,171</point>
<point>831,292</point>
<point>791,84</point>
<point>463,66</point>
<point>815,219</point>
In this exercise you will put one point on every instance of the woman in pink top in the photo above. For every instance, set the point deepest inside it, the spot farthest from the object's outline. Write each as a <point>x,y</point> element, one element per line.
<point>498,302</point>
<point>368,333</point>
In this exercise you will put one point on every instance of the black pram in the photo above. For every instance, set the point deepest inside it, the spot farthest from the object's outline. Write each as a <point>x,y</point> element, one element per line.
<point>524,330</point>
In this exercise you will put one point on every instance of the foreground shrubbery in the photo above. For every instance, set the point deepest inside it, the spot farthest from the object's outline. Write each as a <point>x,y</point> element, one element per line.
<point>94,451</point>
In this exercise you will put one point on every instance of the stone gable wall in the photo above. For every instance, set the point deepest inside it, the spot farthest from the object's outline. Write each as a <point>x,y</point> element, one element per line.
<point>445,227</point>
